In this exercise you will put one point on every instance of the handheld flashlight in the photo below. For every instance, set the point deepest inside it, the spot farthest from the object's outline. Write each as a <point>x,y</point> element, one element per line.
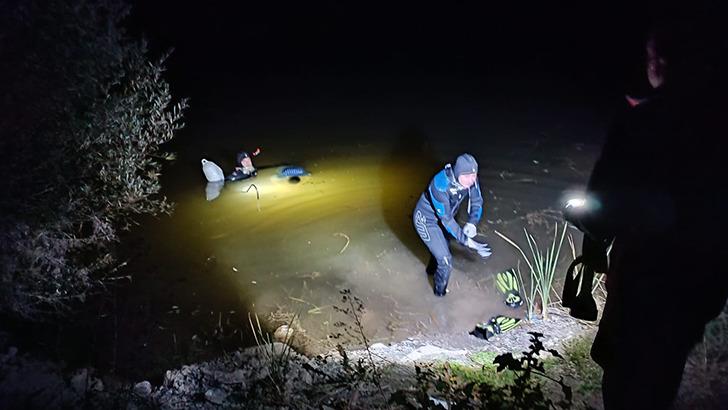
<point>576,203</point>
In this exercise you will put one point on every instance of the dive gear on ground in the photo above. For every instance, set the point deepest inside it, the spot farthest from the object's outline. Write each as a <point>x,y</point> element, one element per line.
<point>495,326</point>
<point>507,283</point>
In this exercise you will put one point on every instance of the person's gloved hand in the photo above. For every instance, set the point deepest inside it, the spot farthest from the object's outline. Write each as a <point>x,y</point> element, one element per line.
<point>482,248</point>
<point>469,230</point>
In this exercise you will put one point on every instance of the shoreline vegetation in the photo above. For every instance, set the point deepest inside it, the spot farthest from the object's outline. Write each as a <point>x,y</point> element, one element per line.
<point>523,368</point>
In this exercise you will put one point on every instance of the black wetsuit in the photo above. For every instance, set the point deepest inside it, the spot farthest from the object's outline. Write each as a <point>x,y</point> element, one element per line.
<point>435,213</point>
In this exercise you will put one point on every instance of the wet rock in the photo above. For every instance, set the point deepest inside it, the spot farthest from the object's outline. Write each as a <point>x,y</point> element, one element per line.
<point>215,396</point>
<point>168,378</point>
<point>438,402</point>
<point>143,389</point>
<point>173,379</point>
<point>304,377</point>
<point>235,377</point>
<point>283,334</point>
<point>238,358</point>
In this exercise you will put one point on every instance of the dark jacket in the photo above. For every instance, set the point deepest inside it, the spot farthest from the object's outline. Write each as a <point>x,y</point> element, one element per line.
<point>658,185</point>
<point>443,198</point>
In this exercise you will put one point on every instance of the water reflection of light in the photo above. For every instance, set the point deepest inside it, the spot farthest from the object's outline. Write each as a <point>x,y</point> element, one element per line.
<point>290,227</point>
<point>273,185</point>
<point>212,190</point>
<point>287,245</point>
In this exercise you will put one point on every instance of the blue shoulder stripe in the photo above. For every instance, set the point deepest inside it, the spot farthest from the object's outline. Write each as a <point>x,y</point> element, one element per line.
<point>441,181</point>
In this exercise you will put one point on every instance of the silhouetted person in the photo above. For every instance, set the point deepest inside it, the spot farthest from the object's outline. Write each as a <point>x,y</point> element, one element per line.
<point>656,195</point>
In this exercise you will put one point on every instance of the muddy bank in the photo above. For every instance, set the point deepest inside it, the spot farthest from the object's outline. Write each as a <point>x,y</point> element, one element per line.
<point>269,376</point>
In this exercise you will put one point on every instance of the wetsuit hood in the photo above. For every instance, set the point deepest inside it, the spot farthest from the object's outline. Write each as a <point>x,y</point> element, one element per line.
<point>465,164</point>
<point>451,178</point>
<point>242,155</point>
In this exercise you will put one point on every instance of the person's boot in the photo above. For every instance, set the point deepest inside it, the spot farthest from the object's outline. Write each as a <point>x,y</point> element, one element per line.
<point>442,276</point>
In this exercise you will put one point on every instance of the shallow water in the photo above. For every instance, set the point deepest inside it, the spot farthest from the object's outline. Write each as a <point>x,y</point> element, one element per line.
<point>348,226</point>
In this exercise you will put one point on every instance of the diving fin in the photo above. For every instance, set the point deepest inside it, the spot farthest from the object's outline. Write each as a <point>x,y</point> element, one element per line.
<point>495,326</point>
<point>507,284</point>
<point>505,323</point>
<point>484,330</point>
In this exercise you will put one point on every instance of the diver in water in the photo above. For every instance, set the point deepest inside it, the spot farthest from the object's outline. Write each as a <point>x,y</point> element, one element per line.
<point>435,213</point>
<point>244,168</point>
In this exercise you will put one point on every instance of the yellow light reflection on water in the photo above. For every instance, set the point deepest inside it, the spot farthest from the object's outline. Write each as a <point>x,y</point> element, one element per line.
<point>288,250</point>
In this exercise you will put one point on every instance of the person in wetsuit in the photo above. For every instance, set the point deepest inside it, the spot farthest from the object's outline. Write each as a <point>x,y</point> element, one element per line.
<point>435,213</point>
<point>243,169</point>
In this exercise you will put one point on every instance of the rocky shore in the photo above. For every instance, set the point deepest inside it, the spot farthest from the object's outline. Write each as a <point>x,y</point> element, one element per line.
<point>274,376</point>
<point>269,376</point>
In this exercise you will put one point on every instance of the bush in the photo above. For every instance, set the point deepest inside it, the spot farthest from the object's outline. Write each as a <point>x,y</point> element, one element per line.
<point>522,389</point>
<point>584,370</point>
<point>85,113</point>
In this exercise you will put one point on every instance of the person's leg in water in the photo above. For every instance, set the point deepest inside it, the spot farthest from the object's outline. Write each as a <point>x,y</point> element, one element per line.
<point>433,237</point>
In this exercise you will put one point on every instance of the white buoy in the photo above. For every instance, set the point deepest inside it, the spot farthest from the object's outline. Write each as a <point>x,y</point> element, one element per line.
<point>212,171</point>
